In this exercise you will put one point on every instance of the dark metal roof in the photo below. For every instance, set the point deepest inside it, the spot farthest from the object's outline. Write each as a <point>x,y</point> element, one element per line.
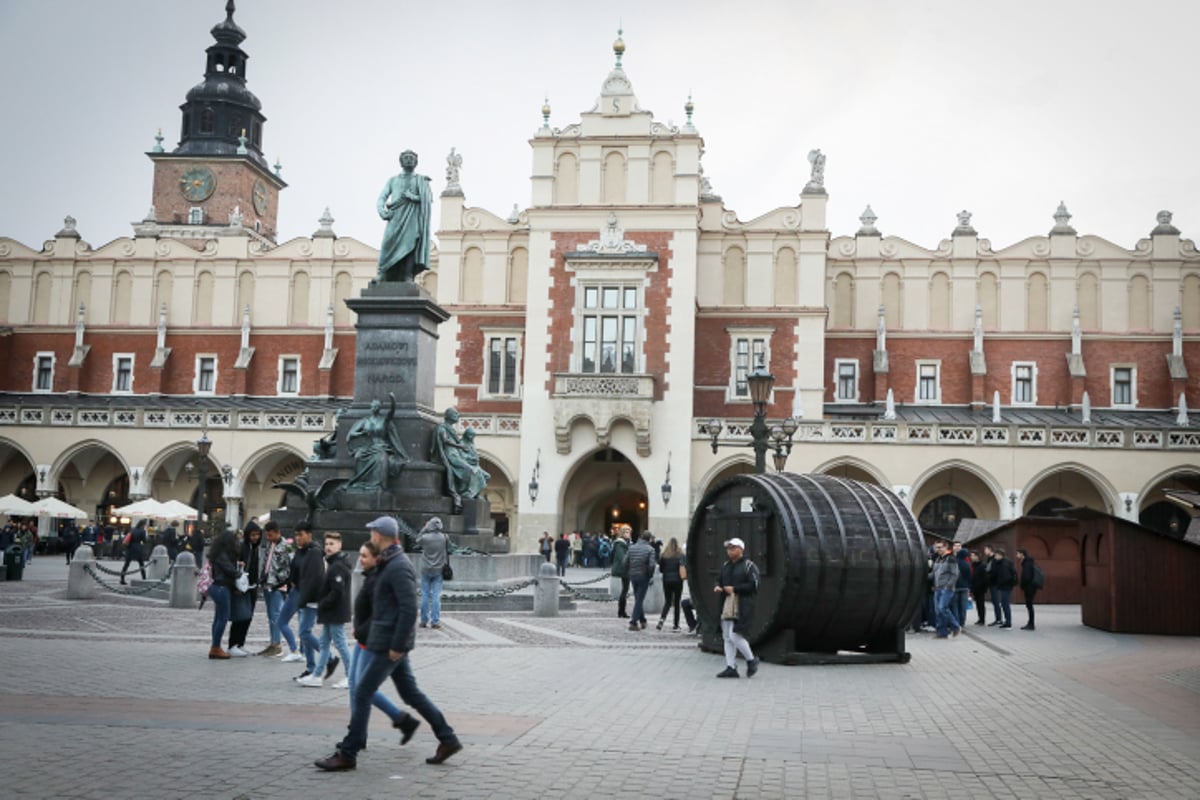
<point>964,415</point>
<point>237,403</point>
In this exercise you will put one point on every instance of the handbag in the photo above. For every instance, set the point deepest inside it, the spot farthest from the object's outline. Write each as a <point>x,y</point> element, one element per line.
<point>447,570</point>
<point>240,608</point>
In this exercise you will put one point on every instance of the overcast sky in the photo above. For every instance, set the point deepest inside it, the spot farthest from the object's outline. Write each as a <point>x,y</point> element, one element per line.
<point>922,108</point>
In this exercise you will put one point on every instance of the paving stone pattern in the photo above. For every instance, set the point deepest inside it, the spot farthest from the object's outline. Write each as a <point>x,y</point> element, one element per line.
<point>114,698</point>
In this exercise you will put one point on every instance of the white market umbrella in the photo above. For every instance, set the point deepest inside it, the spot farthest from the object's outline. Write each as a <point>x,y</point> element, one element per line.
<point>177,509</point>
<point>14,506</point>
<point>147,507</point>
<point>53,507</point>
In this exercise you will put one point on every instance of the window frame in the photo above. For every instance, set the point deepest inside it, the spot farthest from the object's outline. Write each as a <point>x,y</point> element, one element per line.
<point>37,365</point>
<point>502,335</point>
<point>116,365</point>
<point>195,215</point>
<point>1015,382</point>
<point>196,376</point>
<point>280,374</point>
<point>918,399</point>
<point>622,313</point>
<point>1112,385</point>
<point>751,336</point>
<point>838,363</point>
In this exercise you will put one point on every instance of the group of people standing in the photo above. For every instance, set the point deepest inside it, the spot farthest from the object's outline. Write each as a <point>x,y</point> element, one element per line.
<point>956,572</point>
<point>296,579</point>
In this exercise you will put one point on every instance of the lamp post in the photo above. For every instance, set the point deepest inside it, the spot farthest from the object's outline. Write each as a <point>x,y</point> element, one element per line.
<point>203,445</point>
<point>763,438</point>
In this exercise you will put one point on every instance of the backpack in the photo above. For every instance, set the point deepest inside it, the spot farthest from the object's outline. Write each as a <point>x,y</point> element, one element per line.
<point>1039,578</point>
<point>605,548</point>
<point>204,579</point>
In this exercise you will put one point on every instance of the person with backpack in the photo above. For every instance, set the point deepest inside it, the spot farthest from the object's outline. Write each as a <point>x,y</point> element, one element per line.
<point>738,583</point>
<point>1032,579</point>
<point>604,550</point>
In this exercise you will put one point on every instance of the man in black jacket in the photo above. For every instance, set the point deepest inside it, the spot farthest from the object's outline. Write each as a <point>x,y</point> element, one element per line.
<point>391,637</point>
<point>333,612</point>
<point>1006,579</point>
<point>308,573</point>
<point>738,584</point>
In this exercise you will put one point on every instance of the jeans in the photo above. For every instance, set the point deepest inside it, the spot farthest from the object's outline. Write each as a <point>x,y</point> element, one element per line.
<point>1029,595</point>
<point>997,611</point>
<point>980,606</point>
<point>960,606</point>
<point>1003,604</point>
<point>673,591</point>
<point>379,699</point>
<point>309,645</point>
<point>640,585</point>
<point>431,596</point>
<point>562,566</point>
<point>945,617</point>
<point>275,600</point>
<point>291,603</point>
<point>376,668</point>
<point>221,598</point>
<point>734,643</point>
<point>332,635</point>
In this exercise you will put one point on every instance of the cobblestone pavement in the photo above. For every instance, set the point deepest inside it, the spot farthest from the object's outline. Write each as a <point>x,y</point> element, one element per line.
<point>114,698</point>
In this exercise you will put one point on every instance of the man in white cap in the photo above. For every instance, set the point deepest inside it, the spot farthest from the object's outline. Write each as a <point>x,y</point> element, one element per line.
<point>393,634</point>
<point>738,583</point>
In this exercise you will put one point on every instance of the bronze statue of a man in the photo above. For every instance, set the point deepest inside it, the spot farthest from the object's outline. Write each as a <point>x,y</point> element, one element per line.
<point>406,202</point>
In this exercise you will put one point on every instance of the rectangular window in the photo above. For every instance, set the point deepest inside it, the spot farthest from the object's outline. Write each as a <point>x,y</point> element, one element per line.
<point>43,372</point>
<point>748,348</point>
<point>847,380</point>
<point>289,375</point>
<point>503,356</point>
<point>929,388</point>
<point>195,216</point>
<point>206,375</point>
<point>122,372</point>
<point>1024,386</point>
<point>611,323</point>
<point>1124,380</point>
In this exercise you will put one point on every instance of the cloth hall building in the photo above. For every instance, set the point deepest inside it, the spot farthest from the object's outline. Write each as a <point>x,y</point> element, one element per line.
<point>594,335</point>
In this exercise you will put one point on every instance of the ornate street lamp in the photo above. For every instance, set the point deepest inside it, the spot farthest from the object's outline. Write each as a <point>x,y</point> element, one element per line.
<point>762,438</point>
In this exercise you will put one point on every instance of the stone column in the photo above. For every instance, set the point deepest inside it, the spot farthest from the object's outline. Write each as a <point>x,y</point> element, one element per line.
<point>159,564</point>
<point>80,585</point>
<point>183,581</point>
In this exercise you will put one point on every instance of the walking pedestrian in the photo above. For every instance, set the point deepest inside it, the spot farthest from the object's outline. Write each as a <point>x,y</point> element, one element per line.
<point>945,577</point>
<point>546,545</point>
<point>640,562</point>
<point>333,612</point>
<point>276,562</point>
<point>224,573</point>
<point>620,569</point>
<point>304,591</point>
<point>389,643</point>
<point>1029,583</point>
<point>248,562</point>
<point>70,540</point>
<point>738,582</point>
<point>674,573</point>
<point>136,549</point>
<point>434,555</point>
<point>170,540</point>
<point>562,554</point>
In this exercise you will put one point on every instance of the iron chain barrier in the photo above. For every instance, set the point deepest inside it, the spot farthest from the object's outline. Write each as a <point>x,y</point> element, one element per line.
<point>578,595</point>
<point>116,590</point>
<point>450,594</point>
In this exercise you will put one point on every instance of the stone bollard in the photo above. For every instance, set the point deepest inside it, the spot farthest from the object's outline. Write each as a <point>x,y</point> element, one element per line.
<point>159,565</point>
<point>183,581</point>
<point>655,597</point>
<point>80,585</point>
<point>545,594</point>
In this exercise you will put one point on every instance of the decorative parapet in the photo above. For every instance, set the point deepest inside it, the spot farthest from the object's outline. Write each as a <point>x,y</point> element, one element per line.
<point>58,415</point>
<point>603,400</point>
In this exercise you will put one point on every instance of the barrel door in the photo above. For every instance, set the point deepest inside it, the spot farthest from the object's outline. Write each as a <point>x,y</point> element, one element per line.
<point>842,562</point>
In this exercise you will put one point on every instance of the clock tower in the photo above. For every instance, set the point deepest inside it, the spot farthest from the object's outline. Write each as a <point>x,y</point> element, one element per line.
<point>217,178</point>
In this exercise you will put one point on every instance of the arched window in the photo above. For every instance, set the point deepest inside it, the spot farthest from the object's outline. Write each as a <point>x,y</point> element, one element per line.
<point>1035,303</point>
<point>1191,303</point>
<point>41,298</point>
<point>939,302</point>
<point>614,179</point>
<point>734,293</point>
<point>785,277</point>
<point>518,275</point>
<point>341,291</point>
<point>890,299</point>
<point>662,185</point>
<point>206,121</point>
<point>843,301</point>
<point>299,305</point>
<point>122,298</point>
<point>1139,303</point>
<point>82,293</point>
<point>245,293</point>
<point>471,290</point>
<point>566,180</point>
<point>202,310</point>
<point>164,285</point>
<point>989,300</point>
<point>1088,300</point>
<point>5,295</point>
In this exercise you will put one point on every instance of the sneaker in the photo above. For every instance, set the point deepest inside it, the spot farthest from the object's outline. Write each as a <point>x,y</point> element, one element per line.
<point>633,626</point>
<point>659,626</point>
<point>675,629</point>
<point>311,681</point>
<point>692,629</point>
<point>643,624</point>
<point>436,625</point>
<point>1028,628</point>
<point>728,672</point>
<point>994,624</point>
<point>407,726</point>
<point>291,657</point>
<point>424,624</point>
<point>302,676</point>
<point>336,762</point>
<point>1005,627</point>
<point>270,650</point>
<point>956,632</point>
<point>980,622</point>
<point>751,668</point>
<point>332,666</point>
<point>444,751</point>
<point>238,652</point>
<point>342,684</point>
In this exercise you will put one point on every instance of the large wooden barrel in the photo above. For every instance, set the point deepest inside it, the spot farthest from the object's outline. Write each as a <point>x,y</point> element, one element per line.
<point>842,562</point>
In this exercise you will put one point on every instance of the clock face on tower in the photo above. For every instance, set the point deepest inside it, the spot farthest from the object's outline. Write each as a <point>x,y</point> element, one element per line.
<point>260,197</point>
<point>198,183</point>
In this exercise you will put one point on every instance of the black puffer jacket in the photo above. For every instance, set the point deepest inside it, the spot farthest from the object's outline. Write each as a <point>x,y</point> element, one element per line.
<point>362,605</point>
<point>308,571</point>
<point>742,575</point>
<point>394,607</point>
<point>1005,573</point>
<point>335,604</point>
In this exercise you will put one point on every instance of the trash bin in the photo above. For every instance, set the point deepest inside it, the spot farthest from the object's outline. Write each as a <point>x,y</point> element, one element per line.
<point>14,563</point>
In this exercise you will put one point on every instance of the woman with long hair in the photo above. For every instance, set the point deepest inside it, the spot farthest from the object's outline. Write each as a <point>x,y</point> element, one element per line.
<point>674,572</point>
<point>223,560</point>
<point>244,602</point>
